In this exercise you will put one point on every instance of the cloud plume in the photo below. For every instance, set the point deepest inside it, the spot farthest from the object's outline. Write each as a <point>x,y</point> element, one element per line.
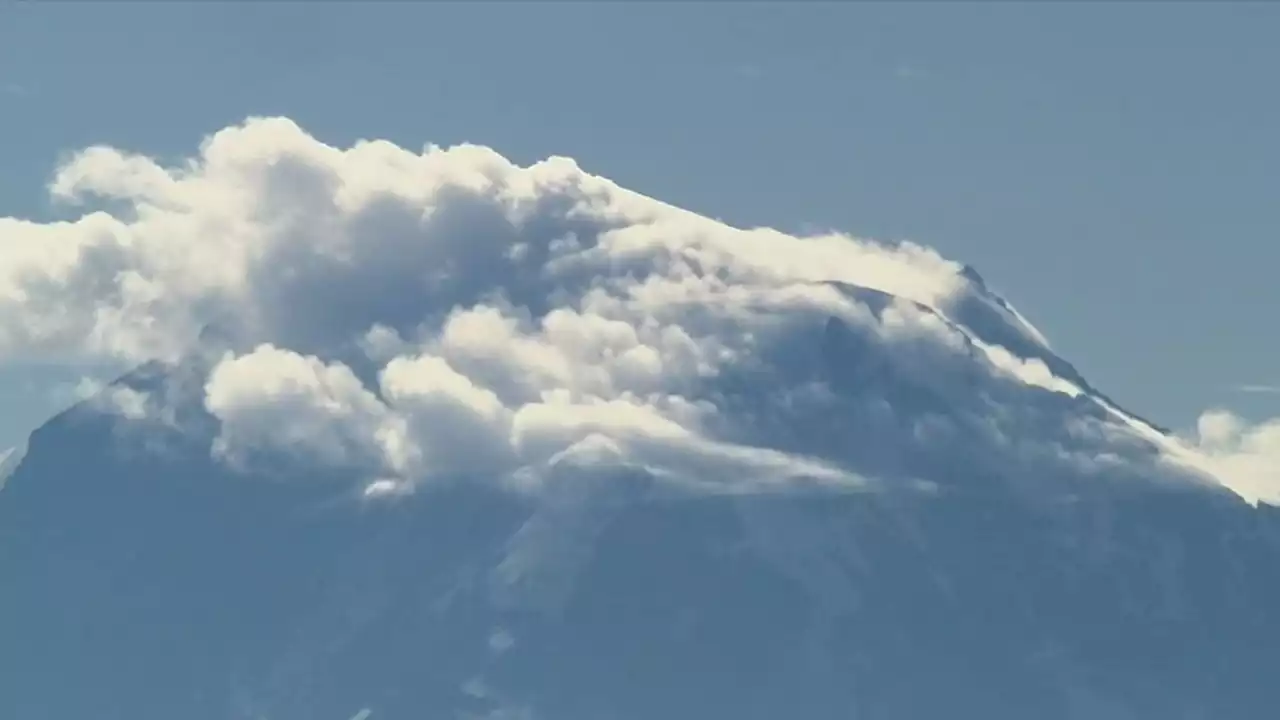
<point>445,314</point>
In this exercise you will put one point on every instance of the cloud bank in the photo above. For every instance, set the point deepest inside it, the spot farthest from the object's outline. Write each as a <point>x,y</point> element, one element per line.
<point>417,317</point>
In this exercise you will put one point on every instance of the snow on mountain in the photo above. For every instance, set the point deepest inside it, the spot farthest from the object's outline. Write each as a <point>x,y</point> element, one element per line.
<point>433,433</point>
<point>9,461</point>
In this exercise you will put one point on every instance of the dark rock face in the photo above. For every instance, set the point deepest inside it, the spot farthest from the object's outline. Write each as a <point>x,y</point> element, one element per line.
<point>159,586</point>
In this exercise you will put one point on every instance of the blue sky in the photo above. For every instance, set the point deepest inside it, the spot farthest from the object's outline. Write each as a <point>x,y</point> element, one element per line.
<point>1112,169</point>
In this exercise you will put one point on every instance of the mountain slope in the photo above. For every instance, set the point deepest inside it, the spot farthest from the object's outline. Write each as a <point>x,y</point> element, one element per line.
<point>162,586</point>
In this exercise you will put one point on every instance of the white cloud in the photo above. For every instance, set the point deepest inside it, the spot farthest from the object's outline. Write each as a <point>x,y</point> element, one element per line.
<point>1246,454</point>
<point>285,238</point>
<point>275,400</point>
<point>446,314</point>
<point>127,402</point>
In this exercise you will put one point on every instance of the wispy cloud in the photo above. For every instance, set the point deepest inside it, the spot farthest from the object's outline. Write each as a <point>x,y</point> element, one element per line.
<point>1258,389</point>
<point>908,71</point>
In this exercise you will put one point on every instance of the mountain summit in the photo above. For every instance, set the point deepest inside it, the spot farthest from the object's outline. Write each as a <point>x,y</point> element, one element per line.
<point>433,435</point>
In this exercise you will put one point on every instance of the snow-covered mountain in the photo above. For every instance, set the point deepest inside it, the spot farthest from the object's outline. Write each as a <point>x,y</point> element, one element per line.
<point>437,436</point>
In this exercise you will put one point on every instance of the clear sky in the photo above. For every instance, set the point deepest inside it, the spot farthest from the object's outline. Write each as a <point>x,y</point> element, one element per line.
<point>1111,168</point>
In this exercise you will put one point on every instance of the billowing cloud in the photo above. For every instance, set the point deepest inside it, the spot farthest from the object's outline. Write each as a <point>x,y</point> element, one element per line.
<point>280,238</point>
<point>1247,455</point>
<point>415,317</point>
<point>273,400</point>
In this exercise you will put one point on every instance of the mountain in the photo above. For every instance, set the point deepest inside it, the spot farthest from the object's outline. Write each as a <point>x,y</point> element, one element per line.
<point>9,461</point>
<point>478,441</point>
<point>147,580</point>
